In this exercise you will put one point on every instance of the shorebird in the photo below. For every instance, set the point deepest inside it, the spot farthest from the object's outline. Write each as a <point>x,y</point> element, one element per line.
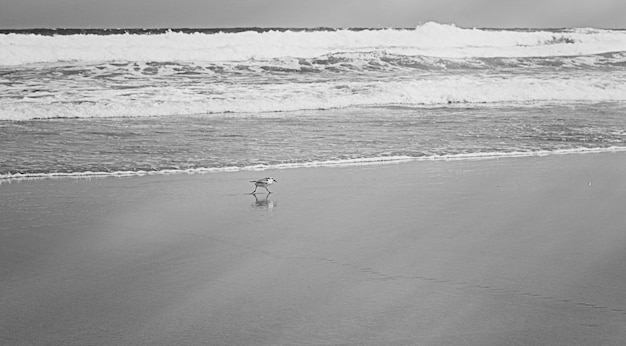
<point>263,183</point>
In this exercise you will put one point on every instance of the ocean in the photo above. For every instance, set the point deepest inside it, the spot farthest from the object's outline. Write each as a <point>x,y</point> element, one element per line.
<point>117,102</point>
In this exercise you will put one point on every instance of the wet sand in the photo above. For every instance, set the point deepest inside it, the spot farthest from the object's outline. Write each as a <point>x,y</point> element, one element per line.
<point>518,251</point>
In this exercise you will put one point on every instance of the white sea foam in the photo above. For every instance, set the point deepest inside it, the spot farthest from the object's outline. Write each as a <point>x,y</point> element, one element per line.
<point>444,90</point>
<point>430,39</point>
<point>313,164</point>
<point>171,74</point>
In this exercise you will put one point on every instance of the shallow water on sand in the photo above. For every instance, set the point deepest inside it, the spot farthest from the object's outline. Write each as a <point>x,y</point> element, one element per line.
<point>290,139</point>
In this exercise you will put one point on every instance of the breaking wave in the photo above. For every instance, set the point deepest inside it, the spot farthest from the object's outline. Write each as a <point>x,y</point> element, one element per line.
<point>174,73</point>
<point>429,39</point>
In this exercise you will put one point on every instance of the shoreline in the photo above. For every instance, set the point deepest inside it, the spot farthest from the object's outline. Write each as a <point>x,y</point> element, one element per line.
<point>366,161</point>
<point>517,250</point>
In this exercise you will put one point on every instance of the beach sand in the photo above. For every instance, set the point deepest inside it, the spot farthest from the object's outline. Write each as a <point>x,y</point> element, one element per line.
<point>516,251</point>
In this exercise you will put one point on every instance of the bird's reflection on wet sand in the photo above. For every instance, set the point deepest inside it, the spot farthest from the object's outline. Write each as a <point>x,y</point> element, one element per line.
<point>263,202</point>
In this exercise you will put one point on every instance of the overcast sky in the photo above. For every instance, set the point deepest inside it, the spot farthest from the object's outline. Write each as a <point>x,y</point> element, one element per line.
<point>310,13</point>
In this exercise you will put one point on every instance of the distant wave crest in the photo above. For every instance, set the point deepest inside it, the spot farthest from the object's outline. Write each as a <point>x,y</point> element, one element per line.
<point>429,39</point>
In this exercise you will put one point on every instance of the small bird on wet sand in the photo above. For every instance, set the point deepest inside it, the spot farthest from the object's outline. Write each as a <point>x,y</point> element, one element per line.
<point>263,183</point>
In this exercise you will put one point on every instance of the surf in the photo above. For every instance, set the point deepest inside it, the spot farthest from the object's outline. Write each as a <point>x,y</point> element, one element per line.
<point>428,39</point>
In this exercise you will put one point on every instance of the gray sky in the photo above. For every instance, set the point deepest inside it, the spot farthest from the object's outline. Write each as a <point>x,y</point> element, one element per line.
<point>310,13</point>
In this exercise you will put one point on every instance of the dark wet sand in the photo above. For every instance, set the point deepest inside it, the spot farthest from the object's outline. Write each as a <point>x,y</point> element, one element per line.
<point>521,251</point>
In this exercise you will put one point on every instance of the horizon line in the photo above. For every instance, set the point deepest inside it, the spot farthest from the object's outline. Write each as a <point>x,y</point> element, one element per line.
<point>286,28</point>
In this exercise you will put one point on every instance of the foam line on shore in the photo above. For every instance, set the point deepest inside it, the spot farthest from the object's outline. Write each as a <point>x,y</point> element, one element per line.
<point>312,164</point>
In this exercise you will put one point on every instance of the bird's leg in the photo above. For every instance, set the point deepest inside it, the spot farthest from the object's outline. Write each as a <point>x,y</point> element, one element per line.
<point>268,190</point>
<point>254,190</point>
